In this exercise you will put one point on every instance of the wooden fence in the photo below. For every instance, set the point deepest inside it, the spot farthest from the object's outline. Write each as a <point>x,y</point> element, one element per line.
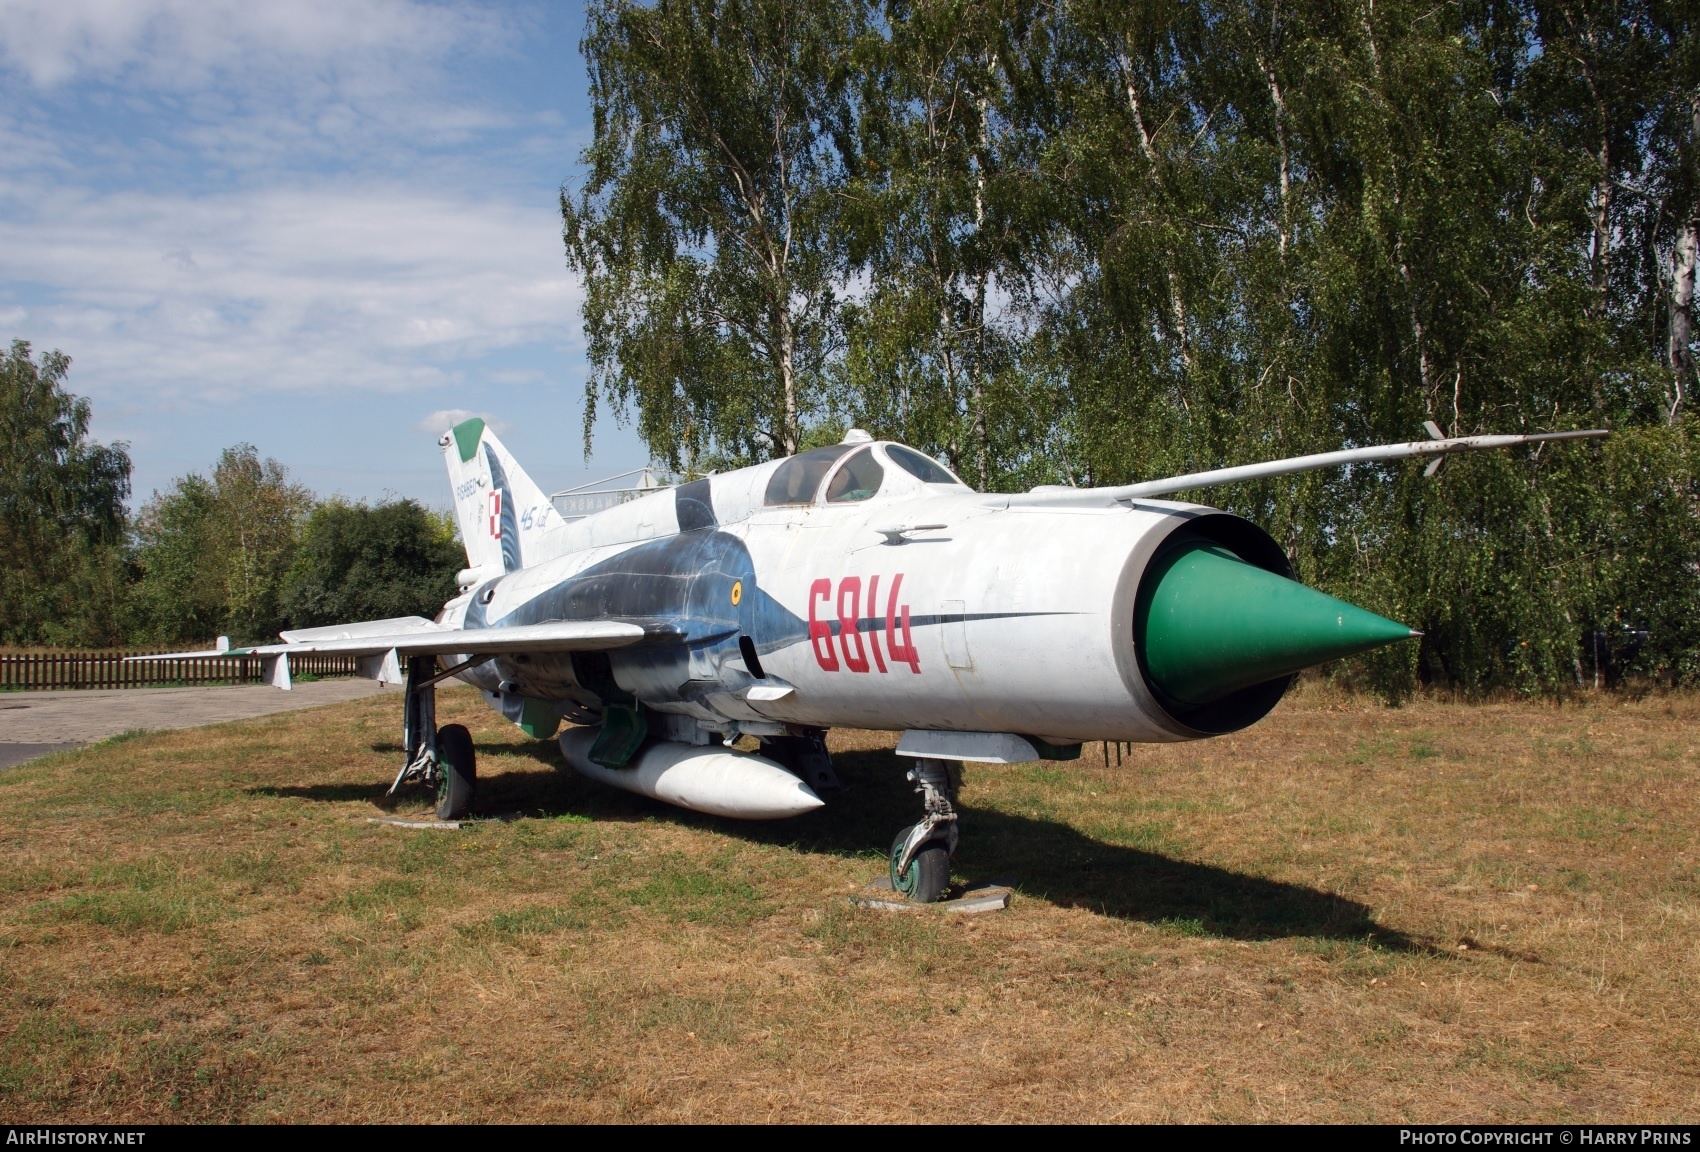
<point>109,670</point>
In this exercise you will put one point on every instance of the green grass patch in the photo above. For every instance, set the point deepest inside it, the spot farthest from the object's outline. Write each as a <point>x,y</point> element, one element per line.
<point>683,889</point>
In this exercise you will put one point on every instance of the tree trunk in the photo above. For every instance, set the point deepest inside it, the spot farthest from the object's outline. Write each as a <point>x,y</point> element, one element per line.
<point>1682,293</point>
<point>1602,228</point>
<point>787,374</point>
<point>1284,231</point>
<point>977,375</point>
<point>1138,116</point>
<point>1682,313</point>
<point>944,282</point>
<point>1424,369</point>
<point>1177,308</point>
<point>1366,20</point>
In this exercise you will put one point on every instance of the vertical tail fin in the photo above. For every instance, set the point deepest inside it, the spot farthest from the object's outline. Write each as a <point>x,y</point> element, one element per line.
<point>505,519</point>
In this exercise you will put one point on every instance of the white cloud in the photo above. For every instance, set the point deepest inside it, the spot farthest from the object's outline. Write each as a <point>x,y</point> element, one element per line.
<point>183,44</point>
<point>246,87</point>
<point>443,419</point>
<point>212,203</point>
<point>296,290</point>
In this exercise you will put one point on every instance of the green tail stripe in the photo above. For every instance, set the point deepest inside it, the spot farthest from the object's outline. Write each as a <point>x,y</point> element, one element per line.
<point>467,435</point>
<point>1208,624</point>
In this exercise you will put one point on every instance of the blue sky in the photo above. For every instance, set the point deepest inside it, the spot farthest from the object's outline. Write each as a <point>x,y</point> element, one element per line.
<point>325,229</point>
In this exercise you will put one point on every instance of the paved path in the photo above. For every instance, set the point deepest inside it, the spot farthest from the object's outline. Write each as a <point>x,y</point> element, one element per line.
<point>35,723</point>
<point>11,754</point>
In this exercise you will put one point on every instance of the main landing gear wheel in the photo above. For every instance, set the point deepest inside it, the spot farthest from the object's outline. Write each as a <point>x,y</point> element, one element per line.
<point>457,772</point>
<point>920,856</point>
<point>928,873</point>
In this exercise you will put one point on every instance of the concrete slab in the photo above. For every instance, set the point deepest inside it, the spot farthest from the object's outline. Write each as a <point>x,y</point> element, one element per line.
<point>427,825</point>
<point>434,825</point>
<point>879,896</point>
<point>79,716</point>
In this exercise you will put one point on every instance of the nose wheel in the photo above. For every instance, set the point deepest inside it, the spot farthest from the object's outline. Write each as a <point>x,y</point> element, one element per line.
<point>920,856</point>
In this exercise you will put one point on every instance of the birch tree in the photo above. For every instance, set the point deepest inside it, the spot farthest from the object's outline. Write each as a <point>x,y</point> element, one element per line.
<point>924,230</point>
<point>705,234</point>
<point>62,515</point>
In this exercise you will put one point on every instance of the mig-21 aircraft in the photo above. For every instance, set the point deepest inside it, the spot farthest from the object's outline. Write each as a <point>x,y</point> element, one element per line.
<point>859,585</point>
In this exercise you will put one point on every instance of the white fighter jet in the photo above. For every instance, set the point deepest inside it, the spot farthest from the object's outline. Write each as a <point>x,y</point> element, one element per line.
<point>858,585</point>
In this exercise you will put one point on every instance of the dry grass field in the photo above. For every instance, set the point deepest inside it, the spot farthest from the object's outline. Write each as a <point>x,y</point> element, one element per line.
<point>1434,913</point>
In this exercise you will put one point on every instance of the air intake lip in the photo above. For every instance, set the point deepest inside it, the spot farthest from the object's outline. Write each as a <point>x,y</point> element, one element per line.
<point>1219,639</point>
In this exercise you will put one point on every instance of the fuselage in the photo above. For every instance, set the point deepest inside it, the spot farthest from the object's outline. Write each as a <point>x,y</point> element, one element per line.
<point>859,589</point>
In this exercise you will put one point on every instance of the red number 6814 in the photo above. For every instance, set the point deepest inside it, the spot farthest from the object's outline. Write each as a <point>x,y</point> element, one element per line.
<point>858,635</point>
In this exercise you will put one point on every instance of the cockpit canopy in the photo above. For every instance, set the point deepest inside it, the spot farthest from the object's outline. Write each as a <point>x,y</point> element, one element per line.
<point>859,476</point>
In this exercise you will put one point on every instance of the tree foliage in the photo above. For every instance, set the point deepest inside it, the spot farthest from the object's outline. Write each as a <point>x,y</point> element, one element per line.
<point>705,233</point>
<point>243,552</point>
<point>62,512</point>
<point>214,551</point>
<point>358,562</point>
<point>1105,241</point>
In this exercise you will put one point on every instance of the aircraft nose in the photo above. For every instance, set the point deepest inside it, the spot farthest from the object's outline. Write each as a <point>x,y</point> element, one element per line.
<point>1208,624</point>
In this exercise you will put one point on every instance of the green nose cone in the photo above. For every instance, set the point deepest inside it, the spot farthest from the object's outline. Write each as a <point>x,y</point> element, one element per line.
<point>1209,624</point>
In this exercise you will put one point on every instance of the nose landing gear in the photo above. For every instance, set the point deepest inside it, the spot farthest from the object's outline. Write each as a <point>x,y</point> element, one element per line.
<point>920,856</point>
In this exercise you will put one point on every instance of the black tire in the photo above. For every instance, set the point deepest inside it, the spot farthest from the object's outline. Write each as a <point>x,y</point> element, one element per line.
<point>928,874</point>
<point>457,772</point>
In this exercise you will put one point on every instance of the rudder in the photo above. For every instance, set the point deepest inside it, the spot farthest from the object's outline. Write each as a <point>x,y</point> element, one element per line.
<point>505,519</point>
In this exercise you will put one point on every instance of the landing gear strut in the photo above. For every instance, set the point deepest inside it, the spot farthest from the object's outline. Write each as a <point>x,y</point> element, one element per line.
<point>441,759</point>
<point>920,856</point>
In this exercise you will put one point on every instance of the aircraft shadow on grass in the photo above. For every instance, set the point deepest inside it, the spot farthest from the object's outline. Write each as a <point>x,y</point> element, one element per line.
<point>489,755</point>
<point>1043,858</point>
